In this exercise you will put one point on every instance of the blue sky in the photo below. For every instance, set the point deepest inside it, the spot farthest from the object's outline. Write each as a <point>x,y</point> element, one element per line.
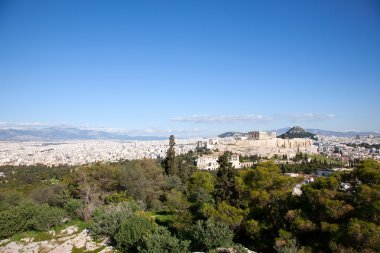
<point>193,68</point>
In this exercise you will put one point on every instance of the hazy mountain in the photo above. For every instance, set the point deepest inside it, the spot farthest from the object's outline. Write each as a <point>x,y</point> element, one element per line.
<point>342,134</point>
<point>280,130</point>
<point>56,133</point>
<point>63,133</point>
<point>230,134</point>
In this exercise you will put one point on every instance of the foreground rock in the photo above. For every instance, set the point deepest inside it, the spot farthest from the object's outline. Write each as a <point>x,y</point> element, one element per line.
<point>63,242</point>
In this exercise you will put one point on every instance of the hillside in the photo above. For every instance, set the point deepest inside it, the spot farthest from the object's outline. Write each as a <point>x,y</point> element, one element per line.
<point>297,132</point>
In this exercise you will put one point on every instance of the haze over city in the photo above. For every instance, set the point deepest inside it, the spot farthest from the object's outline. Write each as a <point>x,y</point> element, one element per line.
<point>190,126</point>
<point>192,68</point>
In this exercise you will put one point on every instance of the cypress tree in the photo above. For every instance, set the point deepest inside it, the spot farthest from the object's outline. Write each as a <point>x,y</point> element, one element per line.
<point>169,163</point>
<point>225,180</point>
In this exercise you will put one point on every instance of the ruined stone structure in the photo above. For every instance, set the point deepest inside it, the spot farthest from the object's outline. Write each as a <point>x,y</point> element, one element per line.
<point>256,135</point>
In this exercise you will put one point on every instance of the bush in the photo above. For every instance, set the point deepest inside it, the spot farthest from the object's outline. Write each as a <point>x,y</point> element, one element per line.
<point>107,220</point>
<point>9,199</point>
<point>115,198</point>
<point>161,241</point>
<point>29,216</point>
<point>72,207</point>
<point>132,233</point>
<point>210,235</point>
<point>54,195</point>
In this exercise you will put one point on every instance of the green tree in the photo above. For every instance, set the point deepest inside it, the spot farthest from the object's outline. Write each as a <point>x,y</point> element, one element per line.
<point>143,180</point>
<point>368,172</point>
<point>265,196</point>
<point>340,213</point>
<point>200,187</point>
<point>363,236</point>
<point>224,213</point>
<point>201,179</point>
<point>176,201</point>
<point>185,165</point>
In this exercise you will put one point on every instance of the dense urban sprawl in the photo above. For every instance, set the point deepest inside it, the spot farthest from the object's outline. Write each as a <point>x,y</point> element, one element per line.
<point>89,151</point>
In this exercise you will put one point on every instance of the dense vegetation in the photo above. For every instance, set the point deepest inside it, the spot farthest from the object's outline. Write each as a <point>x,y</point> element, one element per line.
<point>168,206</point>
<point>303,163</point>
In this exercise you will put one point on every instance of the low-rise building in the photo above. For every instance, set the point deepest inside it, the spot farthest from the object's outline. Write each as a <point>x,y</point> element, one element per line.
<point>323,173</point>
<point>207,162</point>
<point>234,160</point>
<point>210,162</point>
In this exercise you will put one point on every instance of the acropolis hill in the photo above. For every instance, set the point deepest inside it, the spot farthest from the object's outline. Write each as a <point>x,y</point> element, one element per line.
<point>264,144</point>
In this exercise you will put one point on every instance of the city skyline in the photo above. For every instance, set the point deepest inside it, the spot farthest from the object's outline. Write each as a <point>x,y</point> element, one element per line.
<point>191,68</point>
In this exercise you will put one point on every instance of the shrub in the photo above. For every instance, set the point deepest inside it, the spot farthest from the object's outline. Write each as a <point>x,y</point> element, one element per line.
<point>54,195</point>
<point>115,198</point>
<point>132,232</point>
<point>107,220</point>
<point>29,216</point>
<point>210,235</point>
<point>72,207</point>
<point>161,241</point>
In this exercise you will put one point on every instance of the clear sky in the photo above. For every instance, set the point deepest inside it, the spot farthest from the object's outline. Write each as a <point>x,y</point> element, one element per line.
<point>190,67</point>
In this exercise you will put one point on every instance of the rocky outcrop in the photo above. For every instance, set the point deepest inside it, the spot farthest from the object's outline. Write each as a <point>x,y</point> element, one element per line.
<point>62,242</point>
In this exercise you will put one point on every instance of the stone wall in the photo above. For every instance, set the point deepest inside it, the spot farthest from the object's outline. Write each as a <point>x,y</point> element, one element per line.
<point>269,148</point>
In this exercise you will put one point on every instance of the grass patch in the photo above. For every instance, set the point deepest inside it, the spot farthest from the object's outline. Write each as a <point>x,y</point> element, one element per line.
<point>83,250</point>
<point>44,235</point>
<point>79,223</point>
<point>322,158</point>
<point>36,235</point>
<point>163,217</point>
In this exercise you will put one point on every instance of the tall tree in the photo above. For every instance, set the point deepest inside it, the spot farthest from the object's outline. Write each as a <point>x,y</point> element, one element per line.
<point>225,180</point>
<point>169,162</point>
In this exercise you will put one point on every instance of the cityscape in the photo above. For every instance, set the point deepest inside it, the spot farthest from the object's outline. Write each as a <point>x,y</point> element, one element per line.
<point>174,126</point>
<point>82,152</point>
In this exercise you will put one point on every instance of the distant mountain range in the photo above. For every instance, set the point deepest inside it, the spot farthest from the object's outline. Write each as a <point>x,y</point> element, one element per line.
<point>231,134</point>
<point>57,133</point>
<point>310,130</point>
<point>341,134</point>
<point>70,133</point>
